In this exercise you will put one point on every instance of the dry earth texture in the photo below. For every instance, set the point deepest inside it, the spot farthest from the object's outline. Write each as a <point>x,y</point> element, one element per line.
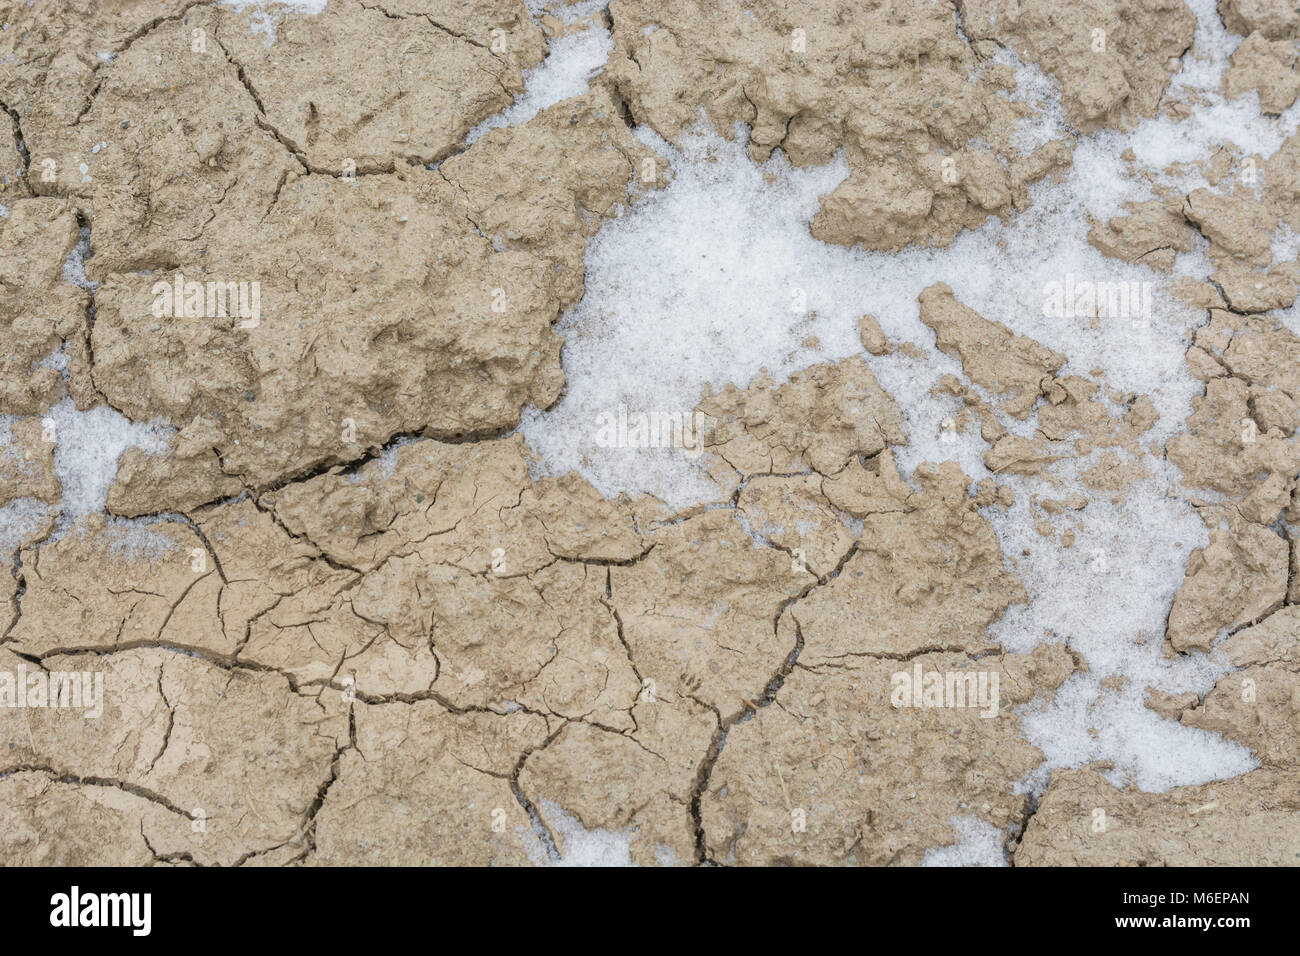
<point>325,608</point>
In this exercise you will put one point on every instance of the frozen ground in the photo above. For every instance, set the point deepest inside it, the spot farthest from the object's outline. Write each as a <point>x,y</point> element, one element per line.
<point>717,277</point>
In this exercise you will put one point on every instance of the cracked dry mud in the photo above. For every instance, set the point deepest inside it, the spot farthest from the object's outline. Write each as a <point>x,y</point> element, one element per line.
<point>342,613</point>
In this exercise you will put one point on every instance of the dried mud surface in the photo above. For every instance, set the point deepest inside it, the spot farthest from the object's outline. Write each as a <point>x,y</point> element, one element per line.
<point>352,624</point>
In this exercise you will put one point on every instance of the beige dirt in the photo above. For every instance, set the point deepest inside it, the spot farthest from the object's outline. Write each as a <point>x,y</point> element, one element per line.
<point>356,627</point>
